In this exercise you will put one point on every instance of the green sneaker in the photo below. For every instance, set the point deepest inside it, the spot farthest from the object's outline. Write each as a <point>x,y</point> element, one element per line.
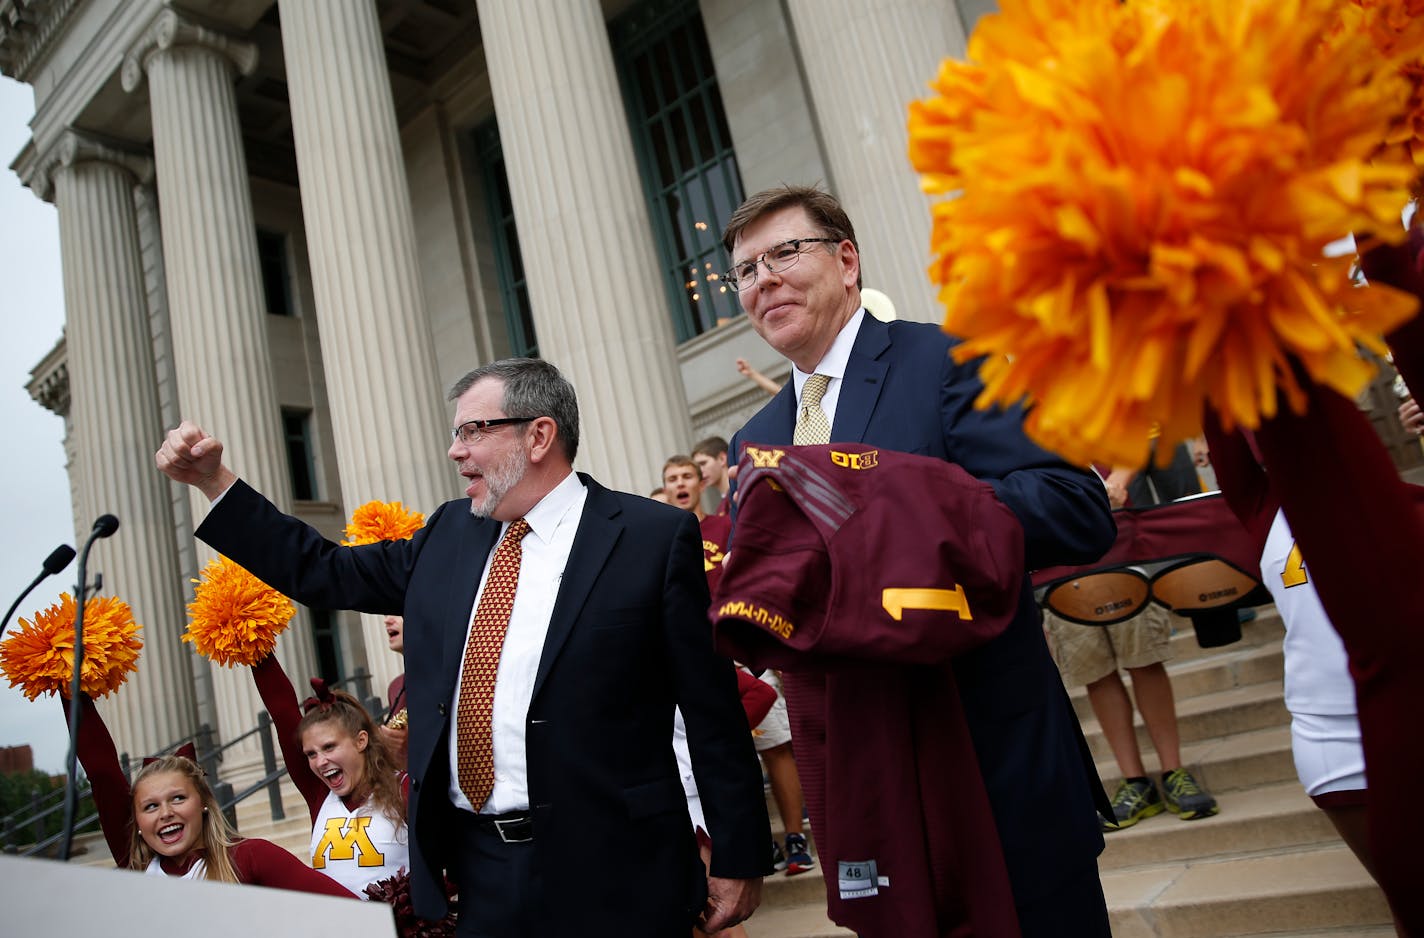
<point>1185,798</point>
<point>1134,800</point>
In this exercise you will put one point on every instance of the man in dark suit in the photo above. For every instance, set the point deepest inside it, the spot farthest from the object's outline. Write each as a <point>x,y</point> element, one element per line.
<point>580,823</point>
<point>796,266</point>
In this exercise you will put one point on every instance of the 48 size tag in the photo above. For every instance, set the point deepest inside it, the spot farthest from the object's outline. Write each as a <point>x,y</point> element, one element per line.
<point>859,879</point>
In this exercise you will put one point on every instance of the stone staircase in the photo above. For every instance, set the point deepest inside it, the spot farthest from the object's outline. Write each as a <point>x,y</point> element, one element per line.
<point>1269,864</point>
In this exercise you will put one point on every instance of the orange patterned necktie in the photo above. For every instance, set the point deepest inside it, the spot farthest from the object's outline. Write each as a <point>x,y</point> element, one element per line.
<point>474,737</point>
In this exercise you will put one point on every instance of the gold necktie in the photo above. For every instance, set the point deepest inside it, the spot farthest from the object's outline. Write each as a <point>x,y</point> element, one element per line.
<point>475,710</point>
<point>812,427</point>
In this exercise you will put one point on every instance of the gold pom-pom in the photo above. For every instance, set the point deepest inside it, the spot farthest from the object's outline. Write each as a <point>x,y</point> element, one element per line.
<point>235,618</point>
<point>39,657</point>
<point>382,521</point>
<point>1139,199</point>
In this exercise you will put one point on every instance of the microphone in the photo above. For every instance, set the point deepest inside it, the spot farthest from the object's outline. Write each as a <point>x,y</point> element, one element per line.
<point>104,526</point>
<point>57,560</point>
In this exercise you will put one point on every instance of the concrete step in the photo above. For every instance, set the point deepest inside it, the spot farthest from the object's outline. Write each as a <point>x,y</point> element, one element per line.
<point>1223,713</point>
<point>1300,890</point>
<point>1267,628</point>
<point>804,921</point>
<point>1195,677</point>
<point>1241,760</point>
<point>779,891</point>
<point>1256,820</point>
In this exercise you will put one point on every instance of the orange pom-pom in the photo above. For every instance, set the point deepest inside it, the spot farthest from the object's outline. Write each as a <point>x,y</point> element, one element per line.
<point>235,618</point>
<point>1139,197</point>
<point>39,657</point>
<point>382,521</point>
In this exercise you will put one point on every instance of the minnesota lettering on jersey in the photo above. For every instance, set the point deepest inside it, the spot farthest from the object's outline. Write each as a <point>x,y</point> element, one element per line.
<point>759,615</point>
<point>711,555</point>
<point>351,843</point>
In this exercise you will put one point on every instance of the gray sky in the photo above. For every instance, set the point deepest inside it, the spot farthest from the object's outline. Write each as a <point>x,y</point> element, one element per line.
<point>34,496</point>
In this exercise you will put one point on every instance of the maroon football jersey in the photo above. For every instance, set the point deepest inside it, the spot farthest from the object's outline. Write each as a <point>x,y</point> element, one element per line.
<point>861,573</point>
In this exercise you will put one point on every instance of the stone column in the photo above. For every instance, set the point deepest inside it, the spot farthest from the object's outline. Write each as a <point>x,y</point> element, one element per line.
<point>217,311</point>
<point>387,394</point>
<point>114,413</point>
<point>584,232</point>
<point>865,61</point>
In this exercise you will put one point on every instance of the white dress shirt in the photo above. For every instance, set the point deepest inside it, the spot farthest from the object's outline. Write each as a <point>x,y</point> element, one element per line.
<point>552,525</point>
<point>833,366</point>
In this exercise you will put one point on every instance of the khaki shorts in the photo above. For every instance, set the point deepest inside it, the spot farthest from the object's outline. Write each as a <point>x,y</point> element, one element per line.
<point>1087,653</point>
<point>775,729</point>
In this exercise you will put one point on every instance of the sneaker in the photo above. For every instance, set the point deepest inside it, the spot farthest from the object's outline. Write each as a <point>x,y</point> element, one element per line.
<point>1185,798</point>
<point>778,859</point>
<point>798,857</point>
<point>1134,800</point>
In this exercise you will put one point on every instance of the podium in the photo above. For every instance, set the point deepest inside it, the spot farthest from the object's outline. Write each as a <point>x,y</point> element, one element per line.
<point>46,897</point>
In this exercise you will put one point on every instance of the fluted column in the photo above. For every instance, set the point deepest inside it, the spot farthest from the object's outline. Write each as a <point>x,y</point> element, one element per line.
<point>865,60</point>
<point>114,409</point>
<point>217,311</point>
<point>387,400</point>
<point>584,231</point>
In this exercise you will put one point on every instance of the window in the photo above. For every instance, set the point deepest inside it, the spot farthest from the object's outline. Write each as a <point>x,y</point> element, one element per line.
<point>685,155</point>
<point>296,433</point>
<point>513,285</point>
<point>328,647</point>
<point>276,275</point>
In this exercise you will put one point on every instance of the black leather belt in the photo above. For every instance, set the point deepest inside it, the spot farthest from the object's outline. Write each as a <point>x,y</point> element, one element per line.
<point>513,828</point>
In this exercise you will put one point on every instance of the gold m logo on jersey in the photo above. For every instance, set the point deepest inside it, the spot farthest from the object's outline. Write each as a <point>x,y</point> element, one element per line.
<point>896,601</point>
<point>351,843</point>
<point>856,460</point>
<point>765,458</point>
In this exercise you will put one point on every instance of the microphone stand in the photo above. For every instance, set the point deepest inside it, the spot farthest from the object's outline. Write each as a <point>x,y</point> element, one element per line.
<point>57,560</point>
<point>103,527</point>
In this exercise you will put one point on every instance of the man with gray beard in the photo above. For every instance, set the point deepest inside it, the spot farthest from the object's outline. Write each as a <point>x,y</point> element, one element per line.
<point>551,626</point>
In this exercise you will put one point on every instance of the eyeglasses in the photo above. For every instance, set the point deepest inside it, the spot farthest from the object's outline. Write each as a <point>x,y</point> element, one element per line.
<point>778,258</point>
<point>471,431</point>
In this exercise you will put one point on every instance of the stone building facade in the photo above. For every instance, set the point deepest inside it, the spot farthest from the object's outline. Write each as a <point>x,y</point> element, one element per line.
<point>298,224</point>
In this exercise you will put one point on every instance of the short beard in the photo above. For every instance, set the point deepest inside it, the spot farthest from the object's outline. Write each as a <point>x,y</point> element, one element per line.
<point>499,479</point>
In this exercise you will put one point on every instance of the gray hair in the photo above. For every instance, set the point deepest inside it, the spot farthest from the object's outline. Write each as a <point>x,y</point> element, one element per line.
<point>532,388</point>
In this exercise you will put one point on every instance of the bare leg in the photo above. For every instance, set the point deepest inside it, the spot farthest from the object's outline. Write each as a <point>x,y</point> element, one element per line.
<point>785,785</point>
<point>1153,690</point>
<point>1113,709</point>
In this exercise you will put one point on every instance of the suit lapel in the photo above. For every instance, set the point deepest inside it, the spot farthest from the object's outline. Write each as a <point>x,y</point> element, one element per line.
<point>863,381</point>
<point>598,532</point>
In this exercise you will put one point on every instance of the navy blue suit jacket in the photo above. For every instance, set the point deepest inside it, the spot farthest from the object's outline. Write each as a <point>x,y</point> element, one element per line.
<point>628,639</point>
<point>903,391</point>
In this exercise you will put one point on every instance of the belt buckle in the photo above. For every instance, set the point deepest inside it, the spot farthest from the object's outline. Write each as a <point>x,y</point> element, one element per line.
<point>513,824</point>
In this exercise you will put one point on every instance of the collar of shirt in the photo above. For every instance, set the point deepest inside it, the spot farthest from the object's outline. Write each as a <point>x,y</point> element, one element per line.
<point>833,366</point>
<point>549,512</point>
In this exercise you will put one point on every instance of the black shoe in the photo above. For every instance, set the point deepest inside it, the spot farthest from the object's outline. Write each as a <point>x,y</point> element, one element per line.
<point>1185,798</point>
<point>1134,800</point>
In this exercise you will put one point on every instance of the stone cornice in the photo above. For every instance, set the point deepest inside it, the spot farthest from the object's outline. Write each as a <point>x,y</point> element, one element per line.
<point>75,147</point>
<point>28,29</point>
<point>49,380</point>
<point>171,29</point>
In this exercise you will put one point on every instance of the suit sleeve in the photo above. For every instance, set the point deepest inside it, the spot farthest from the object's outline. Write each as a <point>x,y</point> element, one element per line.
<point>290,556</point>
<point>1063,509</point>
<point>263,863</point>
<point>110,789</point>
<point>280,699</point>
<point>723,760</point>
